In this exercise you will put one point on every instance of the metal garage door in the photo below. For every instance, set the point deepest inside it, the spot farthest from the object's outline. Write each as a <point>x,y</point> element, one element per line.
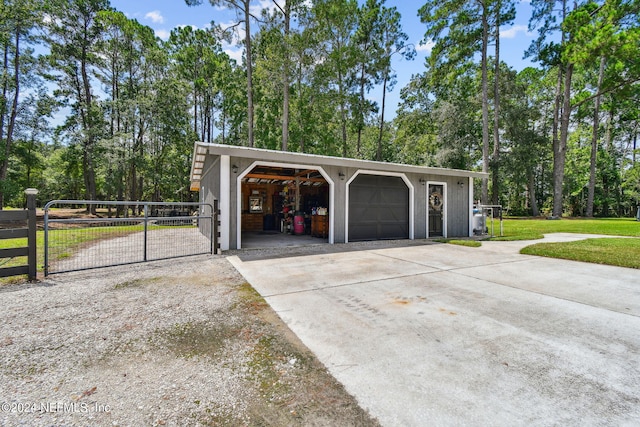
<point>378,208</point>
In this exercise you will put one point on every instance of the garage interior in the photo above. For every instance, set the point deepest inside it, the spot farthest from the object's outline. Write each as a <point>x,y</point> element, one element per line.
<point>284,207</point>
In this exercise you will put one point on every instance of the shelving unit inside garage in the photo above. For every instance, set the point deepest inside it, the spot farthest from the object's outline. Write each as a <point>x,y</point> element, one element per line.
<point>285,200</point>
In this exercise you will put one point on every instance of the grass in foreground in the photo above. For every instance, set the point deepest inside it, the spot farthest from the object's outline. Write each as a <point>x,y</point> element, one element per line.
<point>469,243</point>
<point>74,239</point>
<point>610,251</point>
<point>531,229</point>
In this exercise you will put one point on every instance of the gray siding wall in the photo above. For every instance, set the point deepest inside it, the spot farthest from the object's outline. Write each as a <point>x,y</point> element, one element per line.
<point>210,184</point>
<point>242,165</point>
<point>458,210</point>
<point>457,200</point>
<point>457,197</point>
<point>420,209</point>
<point>339,209</point>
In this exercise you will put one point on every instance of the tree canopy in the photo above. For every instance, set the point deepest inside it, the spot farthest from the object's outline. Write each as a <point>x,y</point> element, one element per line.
<point>94,105</point>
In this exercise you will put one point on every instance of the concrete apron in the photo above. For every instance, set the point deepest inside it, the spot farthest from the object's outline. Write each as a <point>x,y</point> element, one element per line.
<point>449,335</point>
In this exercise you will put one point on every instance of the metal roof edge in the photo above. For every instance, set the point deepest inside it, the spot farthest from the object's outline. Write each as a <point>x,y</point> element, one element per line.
<point>316,159</point>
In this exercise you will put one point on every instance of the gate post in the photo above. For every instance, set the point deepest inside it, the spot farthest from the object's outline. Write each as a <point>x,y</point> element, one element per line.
<point>31,237</point>
<point>214,227</point>
<point>146,218</point>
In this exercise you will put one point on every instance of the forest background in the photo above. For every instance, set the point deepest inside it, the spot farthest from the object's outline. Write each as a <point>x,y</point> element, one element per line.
<point>93,105</point>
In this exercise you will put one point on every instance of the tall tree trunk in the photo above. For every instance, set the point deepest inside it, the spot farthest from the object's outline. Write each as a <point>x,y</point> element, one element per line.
<point>343,114</point>
<point>116,92</point>
<point>224,123</point>
<point>89,172</point>
<point>562,103</point>
<point>360,123</point>
<point>485,107</point>
<point>14,109</point>
<point>555,137</point>
<point>298,113</point>
<point>247,41</point>
<point>285,77</point>
<point>495,158</point>
<point>594,143</point>
<point>7,147</point>
<point>381,130</point>
<point>195,110</point>
<point>531,186</point>
<point>112,117</point>
<point>608,134</point>
<point>635,145</point>
<point>5,88</point>
<point>560,151</point>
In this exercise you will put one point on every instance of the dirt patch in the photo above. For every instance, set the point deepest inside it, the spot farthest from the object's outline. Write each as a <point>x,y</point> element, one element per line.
<point>181,342</point>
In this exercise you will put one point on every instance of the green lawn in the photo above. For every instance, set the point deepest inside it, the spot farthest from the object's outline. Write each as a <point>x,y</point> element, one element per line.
<point>74,238</point>
<point>611,251</point>
<point>527,229</point>
<point>469,243</point>
<point>64,243</point>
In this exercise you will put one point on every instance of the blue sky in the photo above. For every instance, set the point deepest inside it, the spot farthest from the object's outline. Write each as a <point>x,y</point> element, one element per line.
<point>164,15</point>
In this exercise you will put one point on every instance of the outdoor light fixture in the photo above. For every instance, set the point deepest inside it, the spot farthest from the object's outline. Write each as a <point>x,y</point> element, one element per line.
<point>341,175</point>
<point>460,184</point>
<point>234,168</point>
<point>423,181</point>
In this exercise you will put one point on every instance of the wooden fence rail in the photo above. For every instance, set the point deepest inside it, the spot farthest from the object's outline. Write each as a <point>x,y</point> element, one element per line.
<point>28,215</point>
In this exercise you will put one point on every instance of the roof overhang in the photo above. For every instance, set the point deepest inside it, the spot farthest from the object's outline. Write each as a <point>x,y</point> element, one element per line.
<point>197,164</point>
<point>201,149</point>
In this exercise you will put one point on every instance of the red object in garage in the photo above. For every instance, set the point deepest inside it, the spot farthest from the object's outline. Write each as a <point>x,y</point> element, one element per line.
<point>298,223</point>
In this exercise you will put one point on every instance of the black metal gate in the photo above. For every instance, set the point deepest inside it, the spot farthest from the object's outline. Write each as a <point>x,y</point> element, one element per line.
<point>84,234</point>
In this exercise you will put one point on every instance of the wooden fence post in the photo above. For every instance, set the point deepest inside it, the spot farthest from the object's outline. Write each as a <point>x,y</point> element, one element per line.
<point>31,238</point>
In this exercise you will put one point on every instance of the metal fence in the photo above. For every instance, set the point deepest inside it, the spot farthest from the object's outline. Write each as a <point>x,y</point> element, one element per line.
<point>124,232</point>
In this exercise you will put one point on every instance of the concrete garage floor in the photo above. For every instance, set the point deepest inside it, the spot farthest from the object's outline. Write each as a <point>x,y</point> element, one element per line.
<point>448,335</point>
<point>271,239</point>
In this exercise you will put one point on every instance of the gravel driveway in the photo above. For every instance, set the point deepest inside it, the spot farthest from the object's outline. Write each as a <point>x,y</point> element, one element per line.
<point>162,243</point>
<point>179,342</point>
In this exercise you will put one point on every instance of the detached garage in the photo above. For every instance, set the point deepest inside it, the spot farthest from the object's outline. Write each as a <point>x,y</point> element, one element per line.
<point>328,199</point>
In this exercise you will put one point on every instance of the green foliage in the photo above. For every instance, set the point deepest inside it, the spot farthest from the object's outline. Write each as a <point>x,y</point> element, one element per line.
<point>134,105</point>
<point>18,76</point>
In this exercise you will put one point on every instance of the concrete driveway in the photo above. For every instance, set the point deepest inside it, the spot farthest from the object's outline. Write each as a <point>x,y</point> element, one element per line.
<point>441,334</point>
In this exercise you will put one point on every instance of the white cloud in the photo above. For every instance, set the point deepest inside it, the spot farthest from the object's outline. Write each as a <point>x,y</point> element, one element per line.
<point>235,54</point>
<point>163,34</point>
<point>425,46</point>
<point>512,32</point>
<point>155,16</point>
<point>233,51</point>
<point>256,10</point>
